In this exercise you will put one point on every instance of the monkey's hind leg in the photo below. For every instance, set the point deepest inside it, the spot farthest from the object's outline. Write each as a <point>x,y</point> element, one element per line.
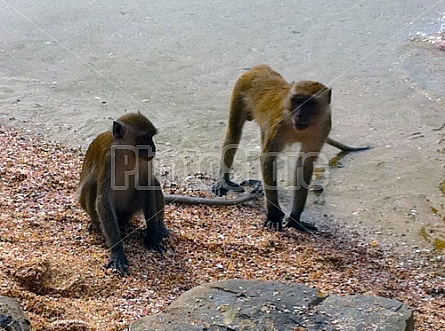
<point>110,228</point>
<point>234,132</point>
<point>87,199</point>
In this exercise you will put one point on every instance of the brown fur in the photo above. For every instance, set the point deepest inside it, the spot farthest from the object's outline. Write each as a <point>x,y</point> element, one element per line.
<point>112,208</point>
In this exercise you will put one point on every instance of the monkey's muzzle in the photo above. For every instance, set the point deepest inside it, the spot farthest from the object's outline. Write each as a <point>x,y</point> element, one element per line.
<point>146,153</point>
<point>301,127</point>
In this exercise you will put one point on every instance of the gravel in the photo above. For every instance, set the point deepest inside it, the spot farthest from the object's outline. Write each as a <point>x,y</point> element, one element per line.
<point>51,261</point>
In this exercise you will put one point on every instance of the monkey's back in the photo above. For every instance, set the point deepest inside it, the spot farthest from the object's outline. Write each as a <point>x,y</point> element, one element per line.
<point>263,91</point>
<point>96,155</point>
<point>261,81</point>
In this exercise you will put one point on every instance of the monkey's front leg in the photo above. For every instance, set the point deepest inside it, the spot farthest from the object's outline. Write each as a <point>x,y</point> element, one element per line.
<point>274,212</point>
<point>303,176</point>
<point>156,230</point>
<point>110,228</point>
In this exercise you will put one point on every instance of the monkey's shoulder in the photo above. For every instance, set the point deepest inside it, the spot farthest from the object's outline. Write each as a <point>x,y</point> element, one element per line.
<point>103,141</point>
<point>99,148</point>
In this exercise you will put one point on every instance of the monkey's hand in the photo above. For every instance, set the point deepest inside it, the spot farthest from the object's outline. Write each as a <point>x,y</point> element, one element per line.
<point>221,187</point>
<point>299,225</point>
<point>154,234</point>
<point>157,247</point>
<point>118,262</point>
<point>274,219</point>
<point>155,243</point>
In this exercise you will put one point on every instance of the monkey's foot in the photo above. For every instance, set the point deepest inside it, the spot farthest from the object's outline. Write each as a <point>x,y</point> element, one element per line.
<point>221,187</point>
<point>118,262</point>
<point>301,226</point>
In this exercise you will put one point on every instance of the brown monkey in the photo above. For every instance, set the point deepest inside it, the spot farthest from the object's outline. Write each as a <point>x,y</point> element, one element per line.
<point>286,113</point>
<point>117,181</point>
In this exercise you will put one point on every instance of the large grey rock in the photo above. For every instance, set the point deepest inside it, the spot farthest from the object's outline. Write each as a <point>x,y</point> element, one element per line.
<point>241,305</point>
<point>12,317</point>
<point>360,312</point>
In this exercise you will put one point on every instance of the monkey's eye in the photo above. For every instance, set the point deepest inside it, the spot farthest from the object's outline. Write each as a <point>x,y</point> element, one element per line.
<point>302,101</point>
<point>145,137</point>
<point>298,100</point>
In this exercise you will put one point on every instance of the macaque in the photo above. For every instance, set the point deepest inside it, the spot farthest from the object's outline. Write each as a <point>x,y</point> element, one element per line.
<point>286,113</point>
<point>117,181</point>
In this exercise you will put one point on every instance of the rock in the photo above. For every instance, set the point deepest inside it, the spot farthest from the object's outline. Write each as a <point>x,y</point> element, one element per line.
<point>271,305</point>
<point>360,312</point>
<point>12,317</point>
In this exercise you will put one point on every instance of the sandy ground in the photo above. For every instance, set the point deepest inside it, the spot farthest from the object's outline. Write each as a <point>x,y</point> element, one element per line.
<point>67,69</point>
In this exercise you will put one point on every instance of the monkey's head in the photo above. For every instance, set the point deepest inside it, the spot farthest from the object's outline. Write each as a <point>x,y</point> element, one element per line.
<point>308,99</point>
<point>135,130</point>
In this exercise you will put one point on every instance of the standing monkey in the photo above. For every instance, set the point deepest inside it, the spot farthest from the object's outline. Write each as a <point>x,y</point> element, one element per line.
<point>117,181</point>
<point>286,113</point>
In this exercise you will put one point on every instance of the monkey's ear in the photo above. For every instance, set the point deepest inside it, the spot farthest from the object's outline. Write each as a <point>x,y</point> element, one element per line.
<point>328,95</point>
<point>118,130</point>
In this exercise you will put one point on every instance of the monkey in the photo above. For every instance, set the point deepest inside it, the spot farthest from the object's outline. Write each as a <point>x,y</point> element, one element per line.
<point>123,157</point>
<point>117,181</point>
<point>286,113</point>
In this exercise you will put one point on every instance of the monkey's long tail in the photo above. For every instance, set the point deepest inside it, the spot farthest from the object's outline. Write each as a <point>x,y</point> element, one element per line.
<point>344,147</point>
<point>182,199</point>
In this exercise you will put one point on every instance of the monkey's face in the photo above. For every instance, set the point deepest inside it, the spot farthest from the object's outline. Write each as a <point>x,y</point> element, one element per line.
<point>146,147</point>
<point>136,136</point>
<point>304,108</point>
